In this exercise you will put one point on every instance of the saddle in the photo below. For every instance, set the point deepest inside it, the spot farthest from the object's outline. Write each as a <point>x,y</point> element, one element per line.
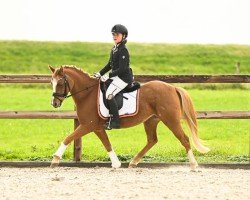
<point>119,97</point>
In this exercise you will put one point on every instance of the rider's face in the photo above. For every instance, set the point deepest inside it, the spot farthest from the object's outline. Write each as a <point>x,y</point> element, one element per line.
<point>117,37</point>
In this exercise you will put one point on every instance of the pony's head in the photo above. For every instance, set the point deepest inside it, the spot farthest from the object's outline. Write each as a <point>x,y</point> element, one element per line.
<point>60,84</point>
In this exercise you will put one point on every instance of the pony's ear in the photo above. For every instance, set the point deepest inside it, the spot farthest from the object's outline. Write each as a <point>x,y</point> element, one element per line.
<point>51,69</point>
<point>60,71</point>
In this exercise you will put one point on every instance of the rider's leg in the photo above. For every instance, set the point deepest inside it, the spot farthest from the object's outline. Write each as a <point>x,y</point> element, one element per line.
<point>115,87</point>
<point>114,113</point>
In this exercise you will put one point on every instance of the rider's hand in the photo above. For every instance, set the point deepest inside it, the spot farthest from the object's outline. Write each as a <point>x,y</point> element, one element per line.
<point>104,78</point>
<point>97,75</point>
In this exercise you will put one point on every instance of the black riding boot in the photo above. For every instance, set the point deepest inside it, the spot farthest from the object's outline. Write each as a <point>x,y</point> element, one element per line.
<point>114,121</point>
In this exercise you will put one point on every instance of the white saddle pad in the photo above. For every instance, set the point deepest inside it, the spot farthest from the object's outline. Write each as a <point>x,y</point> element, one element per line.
<point>129,108</point>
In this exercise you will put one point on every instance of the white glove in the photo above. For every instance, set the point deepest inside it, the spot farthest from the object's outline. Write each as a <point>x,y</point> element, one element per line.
<point>97,75</point>
<point>104,78</point>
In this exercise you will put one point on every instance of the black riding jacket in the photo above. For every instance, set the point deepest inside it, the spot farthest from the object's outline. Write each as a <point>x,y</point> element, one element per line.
<point>119,63</point>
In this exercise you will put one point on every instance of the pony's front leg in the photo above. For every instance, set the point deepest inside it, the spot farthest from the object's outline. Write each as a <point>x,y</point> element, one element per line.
<point>102,135</point>
<point>79,132</point>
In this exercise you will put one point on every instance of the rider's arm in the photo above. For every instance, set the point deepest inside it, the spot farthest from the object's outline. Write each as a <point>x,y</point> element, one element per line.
<point>105,69</point>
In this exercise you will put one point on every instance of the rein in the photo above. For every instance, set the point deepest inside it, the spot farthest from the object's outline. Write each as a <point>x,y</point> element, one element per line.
<point>65,94</point>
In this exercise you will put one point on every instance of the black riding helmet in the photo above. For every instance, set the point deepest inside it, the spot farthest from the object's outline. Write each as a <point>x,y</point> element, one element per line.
<point>118,28</point>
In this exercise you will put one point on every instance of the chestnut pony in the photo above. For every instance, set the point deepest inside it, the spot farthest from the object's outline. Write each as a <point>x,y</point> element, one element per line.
<point>158,101</point>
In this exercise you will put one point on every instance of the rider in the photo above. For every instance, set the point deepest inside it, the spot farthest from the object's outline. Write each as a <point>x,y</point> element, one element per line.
<point>121,73</point>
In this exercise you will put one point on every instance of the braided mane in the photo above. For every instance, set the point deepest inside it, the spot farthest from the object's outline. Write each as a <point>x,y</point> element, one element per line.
<point>75,68</point>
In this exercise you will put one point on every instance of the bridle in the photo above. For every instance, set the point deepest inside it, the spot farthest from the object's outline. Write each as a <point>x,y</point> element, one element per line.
<point>65,93</point>
<point>66,86</point>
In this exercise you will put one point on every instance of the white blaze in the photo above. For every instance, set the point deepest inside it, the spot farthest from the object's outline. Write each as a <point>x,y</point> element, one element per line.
<point>54,83</point>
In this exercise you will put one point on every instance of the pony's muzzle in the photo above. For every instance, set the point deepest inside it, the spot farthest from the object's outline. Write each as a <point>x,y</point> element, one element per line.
<point>56,103</point>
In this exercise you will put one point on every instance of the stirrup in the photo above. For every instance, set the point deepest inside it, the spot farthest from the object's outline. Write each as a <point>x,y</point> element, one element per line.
<point>112,125</point>
<point>107,126</point>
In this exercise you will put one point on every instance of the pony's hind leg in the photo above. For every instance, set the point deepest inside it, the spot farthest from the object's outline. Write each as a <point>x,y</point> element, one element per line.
<point>102,135</point>
<point>179,133</point>
<point>150,127</point>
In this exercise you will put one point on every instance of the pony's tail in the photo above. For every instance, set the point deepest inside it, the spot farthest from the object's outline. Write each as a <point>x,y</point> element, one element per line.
<point>190,116</point>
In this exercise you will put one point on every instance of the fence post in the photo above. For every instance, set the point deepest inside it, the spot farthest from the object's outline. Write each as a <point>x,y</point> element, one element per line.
<point>77,144</point>
<point>237,68</point>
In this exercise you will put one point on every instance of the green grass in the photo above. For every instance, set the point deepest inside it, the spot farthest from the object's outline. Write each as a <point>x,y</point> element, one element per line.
<point>22,57</point>
<point>37,97</point>
<point>38,139</point>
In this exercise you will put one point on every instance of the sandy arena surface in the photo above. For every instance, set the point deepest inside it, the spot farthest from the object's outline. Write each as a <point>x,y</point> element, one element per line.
<point>139,183</point>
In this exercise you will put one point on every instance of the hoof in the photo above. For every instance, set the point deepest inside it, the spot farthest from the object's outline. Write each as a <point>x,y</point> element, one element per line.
<point>55,162</point>
<point>132,165</point>
<point>116,165</point>
<point>193,166</point>
<point>53,165</point>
